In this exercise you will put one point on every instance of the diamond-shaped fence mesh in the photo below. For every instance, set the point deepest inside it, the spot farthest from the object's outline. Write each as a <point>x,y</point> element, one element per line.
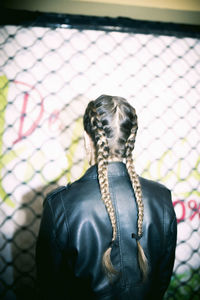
<point>47,77</point>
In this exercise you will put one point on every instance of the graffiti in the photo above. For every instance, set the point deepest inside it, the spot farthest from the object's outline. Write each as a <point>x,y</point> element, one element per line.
<point>53,118</point>
<point>192,206</point>
<point>10,155</point>
<point>176,172</point>
<point>23,115</point>
<point>77,132</point>
<point>25,131</point>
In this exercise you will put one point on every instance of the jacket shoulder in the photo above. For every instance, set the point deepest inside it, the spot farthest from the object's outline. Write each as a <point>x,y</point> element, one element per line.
<point>153,185</point>
<point>157,198</point>
<point>156,194</point>
<point>55,193</point>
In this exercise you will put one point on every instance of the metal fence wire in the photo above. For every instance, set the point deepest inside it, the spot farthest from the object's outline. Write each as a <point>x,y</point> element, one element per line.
<point>47,77</point>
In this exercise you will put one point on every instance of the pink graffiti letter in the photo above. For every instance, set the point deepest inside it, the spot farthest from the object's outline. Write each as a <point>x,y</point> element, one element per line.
<point>35,123</point>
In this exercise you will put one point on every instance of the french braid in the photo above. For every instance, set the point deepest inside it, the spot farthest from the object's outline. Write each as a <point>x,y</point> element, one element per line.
<point>138,195</point>
<point>102,154</point>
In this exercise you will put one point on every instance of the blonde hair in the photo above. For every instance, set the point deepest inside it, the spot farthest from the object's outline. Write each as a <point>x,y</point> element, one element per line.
<point>111,122</point>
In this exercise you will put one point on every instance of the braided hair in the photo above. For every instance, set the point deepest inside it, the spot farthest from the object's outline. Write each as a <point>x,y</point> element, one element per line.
<point>111,122</point>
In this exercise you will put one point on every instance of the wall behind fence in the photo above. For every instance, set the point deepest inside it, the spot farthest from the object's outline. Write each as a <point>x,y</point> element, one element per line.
<point>47,77</point>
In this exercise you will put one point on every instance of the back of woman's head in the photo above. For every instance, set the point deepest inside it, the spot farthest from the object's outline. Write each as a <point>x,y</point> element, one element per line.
<point>111,123</point>
<point>116,119</point>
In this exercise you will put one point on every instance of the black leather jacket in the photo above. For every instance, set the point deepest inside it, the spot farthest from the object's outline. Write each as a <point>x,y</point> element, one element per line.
<point>75,231</point>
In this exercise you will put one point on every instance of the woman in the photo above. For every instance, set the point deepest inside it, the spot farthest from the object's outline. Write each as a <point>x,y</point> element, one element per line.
<point>110,235</point>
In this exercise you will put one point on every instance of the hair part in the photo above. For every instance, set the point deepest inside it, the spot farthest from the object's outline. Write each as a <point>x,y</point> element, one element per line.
<point>111,122</point>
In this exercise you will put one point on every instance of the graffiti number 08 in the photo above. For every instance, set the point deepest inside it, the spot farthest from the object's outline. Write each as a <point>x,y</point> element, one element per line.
<point>192,205</point>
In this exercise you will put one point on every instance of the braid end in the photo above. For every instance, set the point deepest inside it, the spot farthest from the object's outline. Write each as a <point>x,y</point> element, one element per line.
<point>107,264</point>
<point>143,264</point>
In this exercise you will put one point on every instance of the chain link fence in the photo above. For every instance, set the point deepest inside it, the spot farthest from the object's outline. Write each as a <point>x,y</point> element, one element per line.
<point>47,76</point>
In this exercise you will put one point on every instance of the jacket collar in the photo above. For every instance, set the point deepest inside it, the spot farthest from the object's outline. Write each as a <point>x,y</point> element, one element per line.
<point>114,169</point>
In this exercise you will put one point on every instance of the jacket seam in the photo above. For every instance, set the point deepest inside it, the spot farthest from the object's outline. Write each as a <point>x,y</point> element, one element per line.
<point>119,235</point>
<point>88,177</point>
<point>164,230</point>
<point>65,219</point>
<point>54,227</point>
